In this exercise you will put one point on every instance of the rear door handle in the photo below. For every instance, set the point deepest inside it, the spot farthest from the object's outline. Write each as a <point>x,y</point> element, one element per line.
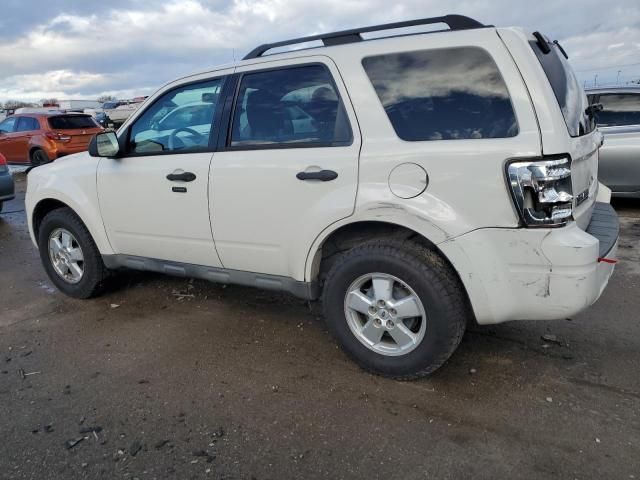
<point>322,175</point>
<point>182,177</point>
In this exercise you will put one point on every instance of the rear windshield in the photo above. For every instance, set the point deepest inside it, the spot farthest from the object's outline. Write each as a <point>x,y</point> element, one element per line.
<point>570,95</point>
<point>71,122</point>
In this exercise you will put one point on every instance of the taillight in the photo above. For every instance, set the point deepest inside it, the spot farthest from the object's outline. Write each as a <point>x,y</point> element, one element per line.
<point>542,191</point>
<point>58,137</point>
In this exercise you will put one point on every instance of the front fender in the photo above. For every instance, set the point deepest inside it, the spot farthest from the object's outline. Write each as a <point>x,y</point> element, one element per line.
<point>71,181</point>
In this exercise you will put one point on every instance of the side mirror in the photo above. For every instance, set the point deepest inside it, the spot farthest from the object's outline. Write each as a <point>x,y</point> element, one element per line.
<point>104,144</point>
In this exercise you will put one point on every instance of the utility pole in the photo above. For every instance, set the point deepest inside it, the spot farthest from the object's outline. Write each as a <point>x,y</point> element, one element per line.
<point>595,80</point>
<point>618,77</point>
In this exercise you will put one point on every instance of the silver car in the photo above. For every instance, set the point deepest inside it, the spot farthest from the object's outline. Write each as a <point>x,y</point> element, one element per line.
<point>619,121</point>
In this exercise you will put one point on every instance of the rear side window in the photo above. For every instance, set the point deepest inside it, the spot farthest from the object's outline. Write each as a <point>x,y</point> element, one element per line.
<point>298,106</point>
<point>27,124</point>
<point>444,94</point>
<point>568,92</point>
<point>619,109</point>
<point>71,122</point>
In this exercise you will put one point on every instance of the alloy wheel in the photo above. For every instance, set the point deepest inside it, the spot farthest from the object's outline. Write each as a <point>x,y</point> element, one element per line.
<point>66,255</point>
<point>385,314</point>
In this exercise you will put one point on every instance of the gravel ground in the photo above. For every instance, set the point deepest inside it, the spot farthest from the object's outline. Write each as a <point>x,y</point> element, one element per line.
<point>171,378</point>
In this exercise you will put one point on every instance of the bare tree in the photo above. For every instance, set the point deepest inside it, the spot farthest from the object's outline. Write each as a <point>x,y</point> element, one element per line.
<point>13,104</point>
<point>49,101</point>
<point>106,98</point>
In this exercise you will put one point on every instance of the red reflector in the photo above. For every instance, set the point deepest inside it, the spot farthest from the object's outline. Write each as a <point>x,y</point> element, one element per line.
<point>607,260</point>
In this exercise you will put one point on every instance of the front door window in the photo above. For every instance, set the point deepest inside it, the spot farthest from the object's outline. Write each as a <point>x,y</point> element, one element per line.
<point>179,121</point>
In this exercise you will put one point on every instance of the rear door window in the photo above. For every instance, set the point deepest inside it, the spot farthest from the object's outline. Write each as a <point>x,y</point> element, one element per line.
<point>71,122</point>
<point>619,109</point>
<point>298,106</point>
<point>444,94</point>
<point>568,92</point>
<point>27,124</point>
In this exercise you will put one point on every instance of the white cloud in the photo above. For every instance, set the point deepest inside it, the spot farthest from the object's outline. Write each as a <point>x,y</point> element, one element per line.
<point>61,84</point>
<point>150,42</point>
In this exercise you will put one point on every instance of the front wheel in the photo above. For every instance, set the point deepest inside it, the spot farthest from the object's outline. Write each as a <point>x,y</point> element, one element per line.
<point>395,307</point>
<point>70,256</point>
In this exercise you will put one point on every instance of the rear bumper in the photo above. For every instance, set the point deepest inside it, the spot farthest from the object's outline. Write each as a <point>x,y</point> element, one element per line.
<point>536,274</point>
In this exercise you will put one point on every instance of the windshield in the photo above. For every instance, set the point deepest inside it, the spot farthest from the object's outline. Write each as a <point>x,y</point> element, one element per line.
<point>570,95</point>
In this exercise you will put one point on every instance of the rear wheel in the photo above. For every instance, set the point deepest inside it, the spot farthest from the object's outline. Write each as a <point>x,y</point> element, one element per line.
<point>395,307</point>
<point>39,157</point>
<point>70,256</point>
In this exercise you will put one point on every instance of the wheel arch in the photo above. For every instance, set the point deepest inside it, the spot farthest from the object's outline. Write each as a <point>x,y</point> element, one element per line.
<point>42,208</point>
<point>32,148</point>
<point>47,204</point>
<point>348,235</point>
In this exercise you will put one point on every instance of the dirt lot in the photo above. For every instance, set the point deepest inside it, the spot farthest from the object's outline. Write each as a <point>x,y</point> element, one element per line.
<point>171,378</point>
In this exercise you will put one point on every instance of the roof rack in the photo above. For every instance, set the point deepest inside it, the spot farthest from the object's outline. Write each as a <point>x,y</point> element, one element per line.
<point>455,22</point>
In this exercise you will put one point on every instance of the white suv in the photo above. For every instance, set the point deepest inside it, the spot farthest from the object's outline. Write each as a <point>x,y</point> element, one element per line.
<point>414,182</point>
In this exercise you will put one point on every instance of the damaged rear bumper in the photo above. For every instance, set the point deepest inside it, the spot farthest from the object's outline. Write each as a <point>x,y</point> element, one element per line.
<point>536,274</point>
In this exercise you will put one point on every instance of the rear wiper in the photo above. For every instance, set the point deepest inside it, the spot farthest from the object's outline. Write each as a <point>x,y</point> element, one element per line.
<point>592,109</point>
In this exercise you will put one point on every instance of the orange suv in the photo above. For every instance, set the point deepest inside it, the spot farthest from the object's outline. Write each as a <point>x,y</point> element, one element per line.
<point>36,138</point>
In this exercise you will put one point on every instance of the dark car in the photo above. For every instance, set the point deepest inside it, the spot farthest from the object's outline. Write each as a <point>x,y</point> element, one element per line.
<point>6,182</point>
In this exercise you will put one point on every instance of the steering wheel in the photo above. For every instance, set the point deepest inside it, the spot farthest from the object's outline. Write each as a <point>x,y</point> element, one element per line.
<point>195,139</point>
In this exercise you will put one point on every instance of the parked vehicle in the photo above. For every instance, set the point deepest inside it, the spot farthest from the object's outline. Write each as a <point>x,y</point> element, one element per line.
<point>121,112</point>
<point>6,182</point>
<point>41,137</point>
<point>414,183</point>
<point>619,121</point>
<point>78,105</point>
<point>102,119</point>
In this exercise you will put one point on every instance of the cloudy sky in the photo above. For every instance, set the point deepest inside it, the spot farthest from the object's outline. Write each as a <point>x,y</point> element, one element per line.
<point>82,49</point>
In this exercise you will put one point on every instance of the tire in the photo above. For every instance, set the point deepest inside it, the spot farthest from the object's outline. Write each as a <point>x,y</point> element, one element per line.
<point>94,275</point>
<point>39,157</point>
<point>420,272</point>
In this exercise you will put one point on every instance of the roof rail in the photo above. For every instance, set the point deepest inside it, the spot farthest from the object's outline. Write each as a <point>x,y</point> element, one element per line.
<point>455,22</point>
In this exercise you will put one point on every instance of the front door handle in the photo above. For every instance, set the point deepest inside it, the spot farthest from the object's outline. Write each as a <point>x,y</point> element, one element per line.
<point>322,175</point>
<point>182,177</point>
